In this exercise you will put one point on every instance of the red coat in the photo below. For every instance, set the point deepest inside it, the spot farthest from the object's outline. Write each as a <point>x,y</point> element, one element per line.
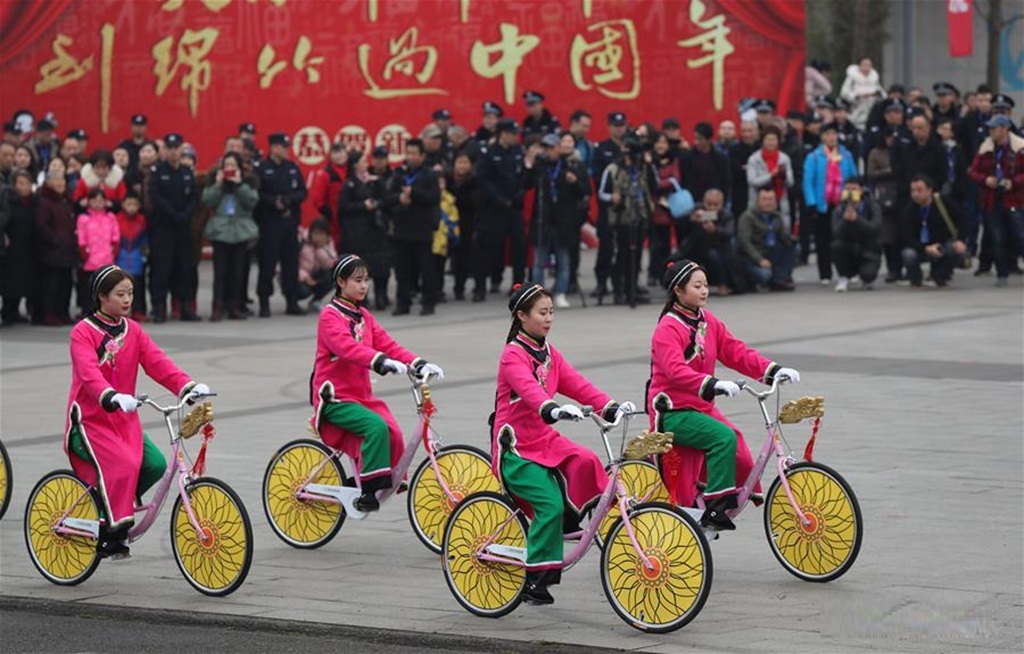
<point>113,187</point>
<point>666,173</point>
<point>325,193</point>
<point>984,165</point>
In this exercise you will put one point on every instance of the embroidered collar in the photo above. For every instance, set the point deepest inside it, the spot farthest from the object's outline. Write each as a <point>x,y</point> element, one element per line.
<point>108,324</point>
<point>536,347</point>
<point>692,317</point>
<point>348,308</point>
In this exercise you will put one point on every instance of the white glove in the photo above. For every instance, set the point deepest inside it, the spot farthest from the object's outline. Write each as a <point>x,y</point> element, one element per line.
<point>397,367</point>
<point>567,412</point>
<point>726,387</point>
<point>432,370</point>
<point>788,373</point>
<point>200,390</point>
<point>626,408</point>
<point>125,402</point>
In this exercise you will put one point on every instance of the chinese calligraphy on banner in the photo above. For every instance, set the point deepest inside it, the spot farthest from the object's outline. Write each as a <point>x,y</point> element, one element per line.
<point>370,72</point>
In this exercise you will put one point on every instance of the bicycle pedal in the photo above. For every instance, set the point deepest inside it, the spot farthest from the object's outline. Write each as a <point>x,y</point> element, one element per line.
<point>402,487</point>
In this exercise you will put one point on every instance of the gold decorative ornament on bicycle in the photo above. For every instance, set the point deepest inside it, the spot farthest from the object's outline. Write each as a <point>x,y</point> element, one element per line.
<point>806,407</point>
<point>200,415</point>
<point>648,443</point>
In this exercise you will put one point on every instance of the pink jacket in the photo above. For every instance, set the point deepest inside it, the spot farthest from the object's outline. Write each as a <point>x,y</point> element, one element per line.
<point>313,260</point>
<point>684,350</point>
<point>105,359</point>
<point>530,374</point>
<point>349,344</point>
<point>99,236</point>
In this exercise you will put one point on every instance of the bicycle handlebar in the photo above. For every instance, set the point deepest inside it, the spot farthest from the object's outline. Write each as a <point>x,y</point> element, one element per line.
<point>171,408</point>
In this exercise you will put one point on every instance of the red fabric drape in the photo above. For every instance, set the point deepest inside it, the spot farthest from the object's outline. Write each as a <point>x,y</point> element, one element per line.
<point>782,21</point>
<point>24,21</point>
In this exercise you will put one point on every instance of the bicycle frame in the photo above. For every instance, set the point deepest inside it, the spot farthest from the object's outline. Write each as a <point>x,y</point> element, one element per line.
<point>91,528</point>
<point>614,493</point>
<point>423,433</point>
<point>772,445</point>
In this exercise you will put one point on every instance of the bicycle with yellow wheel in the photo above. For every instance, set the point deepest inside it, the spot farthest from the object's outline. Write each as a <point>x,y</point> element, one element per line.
<point>5,480</point>
<point>307,493</point>
<point>812,518</point>
<point>656,565</point>
<point>211,536</point>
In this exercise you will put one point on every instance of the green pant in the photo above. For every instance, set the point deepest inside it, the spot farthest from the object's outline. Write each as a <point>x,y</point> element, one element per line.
<point>537,485</point>
<point>697,430</point>
<point>375,449</point>
<point>154,463</point>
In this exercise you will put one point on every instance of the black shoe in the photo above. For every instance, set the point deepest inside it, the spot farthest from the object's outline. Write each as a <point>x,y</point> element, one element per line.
<point>496,288</point>
<point>427,310</point>
<point>367,503</point>
<point>983,272</point>
<point>599,291</point>
<point>460,296</point>
<point>715,516</point>
<point>781,286</point>
<point>188,316</point>
<point>400,311</point>
<point>294,310</point>
<point>891,278</point>
<point>620,299</point>
<point>159,315</point>
<point>264,312</point>
<point>536,594</point>
<point>479,296</point>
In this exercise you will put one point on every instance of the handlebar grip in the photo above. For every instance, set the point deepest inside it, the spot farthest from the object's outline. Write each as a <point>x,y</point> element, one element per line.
<point>742,383</point>
<point>142,397</point>
<point>587,411</point>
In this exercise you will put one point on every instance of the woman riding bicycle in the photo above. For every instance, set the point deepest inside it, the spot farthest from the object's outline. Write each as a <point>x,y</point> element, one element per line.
<point>554,479</point>
<point>349,344</point>
<point>687,343</point>
<point>103,439</point>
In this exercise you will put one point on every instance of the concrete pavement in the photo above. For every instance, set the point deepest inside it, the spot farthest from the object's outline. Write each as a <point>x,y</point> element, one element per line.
<point>924,419</point>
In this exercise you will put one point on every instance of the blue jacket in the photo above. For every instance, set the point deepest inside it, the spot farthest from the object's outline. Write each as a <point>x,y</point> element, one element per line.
<point>815,166</point>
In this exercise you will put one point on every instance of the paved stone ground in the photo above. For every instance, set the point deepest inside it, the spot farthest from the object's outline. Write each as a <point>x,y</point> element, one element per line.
<point>924,419</point>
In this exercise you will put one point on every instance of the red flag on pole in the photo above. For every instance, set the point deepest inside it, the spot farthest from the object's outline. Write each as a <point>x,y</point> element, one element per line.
<point>961,30</point>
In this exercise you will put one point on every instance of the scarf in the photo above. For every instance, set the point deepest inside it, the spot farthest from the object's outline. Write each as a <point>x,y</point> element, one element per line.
<point>833,176</point>
<point>771,160</point>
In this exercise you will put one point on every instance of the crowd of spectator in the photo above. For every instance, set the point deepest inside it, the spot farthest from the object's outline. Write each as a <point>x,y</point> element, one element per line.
<point>867,177</point>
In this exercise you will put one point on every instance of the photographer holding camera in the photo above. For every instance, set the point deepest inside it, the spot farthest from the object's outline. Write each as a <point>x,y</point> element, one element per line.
<point>856,236</point>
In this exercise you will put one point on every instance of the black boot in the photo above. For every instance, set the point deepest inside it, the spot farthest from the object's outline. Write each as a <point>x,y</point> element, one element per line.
<point>264,307</point>
<point>714,513</point>
<point>367,502</point>
<point>159,314</point>
<point>536,591</point>
<point>113,545</point>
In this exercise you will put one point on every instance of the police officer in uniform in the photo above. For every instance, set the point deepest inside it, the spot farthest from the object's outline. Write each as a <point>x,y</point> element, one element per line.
<point>174,197</point>
<point>539,121</point>
<point>947,105</point>
<point>488,130</point>
<point>608,151</point>
<point>282,191</point>
<point>137,140</point>
<point>500,174</point>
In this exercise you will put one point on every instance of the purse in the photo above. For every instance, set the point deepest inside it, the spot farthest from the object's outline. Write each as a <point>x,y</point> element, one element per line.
<point>680,201</point>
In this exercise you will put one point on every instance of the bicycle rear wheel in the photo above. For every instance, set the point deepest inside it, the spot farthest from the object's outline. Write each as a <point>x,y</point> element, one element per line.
<point>466,470</point>
<point>305,524</point>
<point>217,559</point>
<point>826,548</point>
<point>671,593</point>
<point>485,588</point>
<point>642,482</point>
<point>5,480</point>
<point>62,559</point>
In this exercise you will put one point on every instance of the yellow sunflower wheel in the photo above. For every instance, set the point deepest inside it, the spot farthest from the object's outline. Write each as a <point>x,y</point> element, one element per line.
<point>306,524</point>
<point>826,547</point>
<point>62,559</point>
<point>216,558</point>
<point>643,482</point>
<point>5,480</point>
<point>483,588</point>
<point>466,470</point>
<point>672,591</point>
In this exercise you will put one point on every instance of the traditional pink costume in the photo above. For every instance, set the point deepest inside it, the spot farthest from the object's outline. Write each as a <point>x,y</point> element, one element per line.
<point>105,360</point>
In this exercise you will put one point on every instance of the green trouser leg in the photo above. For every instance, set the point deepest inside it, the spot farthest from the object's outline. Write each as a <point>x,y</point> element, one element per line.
<point>154,465</point>
<point>697,430</point>
<point>537,485</point>
<point>375,449</point>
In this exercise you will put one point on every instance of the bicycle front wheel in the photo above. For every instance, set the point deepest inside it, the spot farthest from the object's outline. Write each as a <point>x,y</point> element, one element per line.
<point>670,593</point>
<point>466,470</point>
<point>62,559</point>
<point>5,480</point>
<point>306,524</point>
<point>216,558</point>
<point>826,547</point>
<point>485,588</point>
<point>643,483</point>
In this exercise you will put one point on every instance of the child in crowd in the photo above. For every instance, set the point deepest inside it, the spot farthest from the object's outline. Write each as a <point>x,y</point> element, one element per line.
<point>316,261</point>
<point>133,253</point>
<point>98,241</point>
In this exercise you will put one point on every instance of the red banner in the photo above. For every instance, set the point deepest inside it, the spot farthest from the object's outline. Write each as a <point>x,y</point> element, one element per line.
<point>961,28</point>
<point>370,72</point>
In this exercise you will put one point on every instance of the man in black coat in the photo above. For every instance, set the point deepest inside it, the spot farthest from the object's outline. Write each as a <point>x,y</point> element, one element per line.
<point>739,153</point>
<point>413,200</point>
<point>608,151</point>
<point>282,192</point>
<point>703,167</point>
<point>500,173</point>
<point>539,121</point>
<point>174,198</point>
<point>924,155</point>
